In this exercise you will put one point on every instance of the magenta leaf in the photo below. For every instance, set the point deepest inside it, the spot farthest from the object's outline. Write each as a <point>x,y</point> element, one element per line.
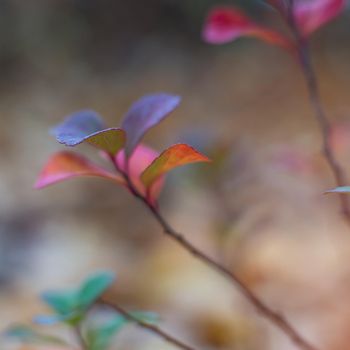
<point>226,24</point>
<point>145,113</point>
<point>88,126</point>
<point>313,14</point>
<point>141,158</point>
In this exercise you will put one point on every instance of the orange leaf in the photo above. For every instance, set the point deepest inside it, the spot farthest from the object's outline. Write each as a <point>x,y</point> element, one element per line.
<point>173,157</point>
<point>65,165</point>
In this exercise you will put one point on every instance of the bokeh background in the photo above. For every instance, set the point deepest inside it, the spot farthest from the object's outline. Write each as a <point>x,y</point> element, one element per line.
<point>259,208</point>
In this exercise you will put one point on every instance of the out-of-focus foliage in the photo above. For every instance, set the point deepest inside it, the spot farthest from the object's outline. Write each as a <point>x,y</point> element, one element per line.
<point>259,207</point>
<point>75,308</point>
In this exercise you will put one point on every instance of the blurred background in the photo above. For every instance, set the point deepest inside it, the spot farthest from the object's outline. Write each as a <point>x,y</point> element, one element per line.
<point>259,207</point>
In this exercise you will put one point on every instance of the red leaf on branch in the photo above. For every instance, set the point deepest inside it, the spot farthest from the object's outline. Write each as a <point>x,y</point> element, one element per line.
<point>66,165</point>
<point>225,24</point>
<point>173,157</point>
<point>313,14</point>
<point>140,159</point>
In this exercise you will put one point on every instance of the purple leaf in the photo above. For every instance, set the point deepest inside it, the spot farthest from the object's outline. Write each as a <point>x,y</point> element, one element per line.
<point>145,113</point>
<point>88,126</point>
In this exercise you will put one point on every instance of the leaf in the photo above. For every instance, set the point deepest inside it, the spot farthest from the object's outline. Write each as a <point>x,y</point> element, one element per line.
<point>226,24</point>
<point>99,336</point>
<point>61,302</point>
<point>49,320</point>
<point>142,157</point>
<point>342,189</point>
<point>173,157</point>
<point>88,126</point>
<point>93,287</point>
<point>313,14</point>
<point>145,113</point>
<point>26,334</point>
<point>65,165</point>
<point>72,304</point>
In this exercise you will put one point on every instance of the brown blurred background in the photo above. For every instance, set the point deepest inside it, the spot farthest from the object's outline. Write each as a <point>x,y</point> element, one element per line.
<point>258,208</point>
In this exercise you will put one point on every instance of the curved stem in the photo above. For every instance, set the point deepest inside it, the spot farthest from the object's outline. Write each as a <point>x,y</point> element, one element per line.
<point>319,112</point>
<point>154,329</point>
<point>264,310</point>
<point>80,337</point>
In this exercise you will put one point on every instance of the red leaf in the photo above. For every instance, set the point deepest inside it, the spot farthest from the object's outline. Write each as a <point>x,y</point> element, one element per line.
<point>140,159</point>
<point>173,157</point>
<point>225,24</point>
<point>313,14</point>
<point>65,165</point>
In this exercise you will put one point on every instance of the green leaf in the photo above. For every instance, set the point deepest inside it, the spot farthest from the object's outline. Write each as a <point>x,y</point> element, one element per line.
<point>71,305</point>
<point>99,337</point>
<point>26,334</point>
<point>63,302</point>
<point>93,287</point>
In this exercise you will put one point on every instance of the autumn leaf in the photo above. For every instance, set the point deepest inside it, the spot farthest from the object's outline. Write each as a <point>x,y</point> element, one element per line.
<point>173,157</point>
<point>141,158</point>
<point>66,165</point>
<point>226,24</point>
<point>313,14</point>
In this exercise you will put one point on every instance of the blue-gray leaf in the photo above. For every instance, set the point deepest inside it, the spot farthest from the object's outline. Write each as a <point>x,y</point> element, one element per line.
<point>144,114</point>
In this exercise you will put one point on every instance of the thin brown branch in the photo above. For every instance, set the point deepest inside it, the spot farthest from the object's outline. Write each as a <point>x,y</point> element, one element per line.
<point>264,310</point>
<point>80,338</point>
<point>319,111</point>
<point>153,328</point>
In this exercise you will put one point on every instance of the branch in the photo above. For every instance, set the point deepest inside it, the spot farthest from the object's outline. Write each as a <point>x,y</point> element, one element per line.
<point>264,310</point>
<point>154,329</point>
<point>80,338</point>
<point>319,112</point>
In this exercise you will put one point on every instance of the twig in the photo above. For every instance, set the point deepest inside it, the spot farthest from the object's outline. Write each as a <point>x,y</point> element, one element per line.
<point>319,112</point>
<point>154,329</point>
<point>265,311</point>
<point>80,337</point>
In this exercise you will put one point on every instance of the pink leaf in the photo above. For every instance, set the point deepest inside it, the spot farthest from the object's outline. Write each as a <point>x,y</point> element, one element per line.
<point>310,15</point>
<point>173,157</point>
<point>141,158</point>
<point>65,165</point>
<point>225,24</point>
